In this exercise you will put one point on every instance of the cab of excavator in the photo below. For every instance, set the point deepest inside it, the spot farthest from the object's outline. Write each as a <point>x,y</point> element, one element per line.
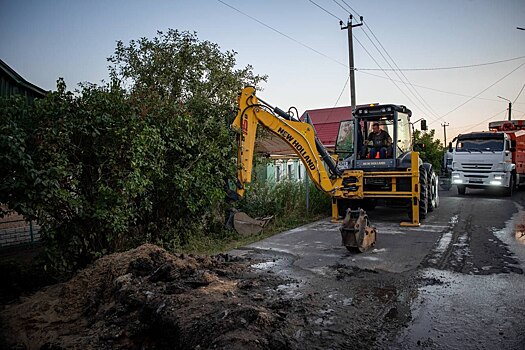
<point>377,137</point>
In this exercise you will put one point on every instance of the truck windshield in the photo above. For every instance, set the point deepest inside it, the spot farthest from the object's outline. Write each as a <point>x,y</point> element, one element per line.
<point>480,145</point>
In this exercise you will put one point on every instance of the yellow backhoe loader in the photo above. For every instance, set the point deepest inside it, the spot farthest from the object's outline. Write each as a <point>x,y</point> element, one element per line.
<point>355,180</point>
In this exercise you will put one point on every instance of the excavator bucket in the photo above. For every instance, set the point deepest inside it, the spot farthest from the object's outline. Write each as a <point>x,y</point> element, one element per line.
<point>247,226</point>
<point>356,232</point>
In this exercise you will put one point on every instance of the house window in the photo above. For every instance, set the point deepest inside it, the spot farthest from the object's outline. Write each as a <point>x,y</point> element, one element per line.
<point>290,171</point>
<point>299,174</point>
<point>277,172</point>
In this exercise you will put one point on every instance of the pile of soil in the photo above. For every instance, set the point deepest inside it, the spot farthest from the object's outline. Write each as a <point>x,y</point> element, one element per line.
<point>148,298</point>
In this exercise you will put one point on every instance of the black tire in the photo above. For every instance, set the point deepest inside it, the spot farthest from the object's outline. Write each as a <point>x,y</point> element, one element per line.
<point>461,190</point>
<point>423,196</point>
<point>510,190</point>
<point>433,201</point>
<point>423,193</point>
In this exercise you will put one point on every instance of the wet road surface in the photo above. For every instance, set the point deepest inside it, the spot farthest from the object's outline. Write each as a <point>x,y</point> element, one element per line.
<point>456,282</point>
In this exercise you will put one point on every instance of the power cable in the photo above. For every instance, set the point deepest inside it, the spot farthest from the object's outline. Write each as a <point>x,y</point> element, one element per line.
<point>345,65</point>
<point>350,7</point>
<point>325,10</point>
<point>447,68</point>
<point>470,99</point>
<point>519,93</point>
<point>433,89</point>
<point>281,33</point>
<point>414,91</point>
<point>393,82</point>
<point>410,87</point>
<point>343,90</point>
<point>484,121</point>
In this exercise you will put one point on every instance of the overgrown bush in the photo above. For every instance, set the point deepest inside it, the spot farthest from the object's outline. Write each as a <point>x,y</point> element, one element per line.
<point>140,159</point>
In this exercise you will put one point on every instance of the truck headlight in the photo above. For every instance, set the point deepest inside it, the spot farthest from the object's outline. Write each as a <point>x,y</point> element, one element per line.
<point>498,177</point>
<point>457,181</point>
<point>455,176</point>
<point>499,167</point>
<point>495,182</point>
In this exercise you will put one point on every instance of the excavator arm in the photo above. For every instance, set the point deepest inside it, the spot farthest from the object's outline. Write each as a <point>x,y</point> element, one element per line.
<point>320,166</point>
<point>299,135</point>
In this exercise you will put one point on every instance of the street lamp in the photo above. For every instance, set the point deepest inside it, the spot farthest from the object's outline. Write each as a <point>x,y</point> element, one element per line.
<point>510,105</point>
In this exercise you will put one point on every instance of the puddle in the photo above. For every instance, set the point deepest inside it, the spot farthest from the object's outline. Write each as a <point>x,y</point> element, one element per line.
<point>513,234</point>
<point>467,312</point>
<point>265,265</point>
<point>291,290</point>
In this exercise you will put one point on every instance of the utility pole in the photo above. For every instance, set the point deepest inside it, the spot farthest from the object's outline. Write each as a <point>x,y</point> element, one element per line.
<point>510,105</point>
<point>444,125</point>
<point>349,27</point>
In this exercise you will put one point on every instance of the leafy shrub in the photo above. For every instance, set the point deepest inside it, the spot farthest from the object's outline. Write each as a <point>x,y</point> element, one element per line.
<point>108,167</point>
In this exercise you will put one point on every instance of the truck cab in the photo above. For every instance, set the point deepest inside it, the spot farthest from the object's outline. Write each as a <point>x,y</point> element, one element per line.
<point>484,160</point>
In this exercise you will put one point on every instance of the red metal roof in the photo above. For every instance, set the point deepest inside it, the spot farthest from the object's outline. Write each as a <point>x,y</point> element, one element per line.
<point>326,122</point>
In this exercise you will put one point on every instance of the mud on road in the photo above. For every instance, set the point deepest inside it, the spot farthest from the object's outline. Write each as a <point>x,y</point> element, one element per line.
<point>147,298</point>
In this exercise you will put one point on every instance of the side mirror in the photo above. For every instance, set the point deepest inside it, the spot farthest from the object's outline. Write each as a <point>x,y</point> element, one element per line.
<point>512,149</point>
<point>513,144</point>
<point>424,125</point>
<point>450,147</point>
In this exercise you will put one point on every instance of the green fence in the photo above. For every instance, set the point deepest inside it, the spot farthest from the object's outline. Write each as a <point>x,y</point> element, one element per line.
<point>17,231</point>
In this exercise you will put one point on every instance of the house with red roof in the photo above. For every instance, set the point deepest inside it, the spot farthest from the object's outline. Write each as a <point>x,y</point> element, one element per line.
<point>284,163</point>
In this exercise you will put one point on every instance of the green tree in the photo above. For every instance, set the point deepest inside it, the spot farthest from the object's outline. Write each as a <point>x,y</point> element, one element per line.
<point>185,88</point>
<point>109,167</point>
<point>430,150</point>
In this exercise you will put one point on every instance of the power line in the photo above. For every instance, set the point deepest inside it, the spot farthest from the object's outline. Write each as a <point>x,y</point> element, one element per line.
<point>433,89</point>
<point>281,33</point>
<point>519,93</point>
<point>325,10</point>
<point>344,65</point>
<point>393,82</point>
<point>448,68</point>
<point>470,99</point>
<point>350,7</point>
<point>343,90</point>
<point>419,97</point>
<point>383,58</point>
<point>484,121</point>
<point>410,87</point>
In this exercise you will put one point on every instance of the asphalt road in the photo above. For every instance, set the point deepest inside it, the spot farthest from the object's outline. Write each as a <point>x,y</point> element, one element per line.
<point>455,282</point>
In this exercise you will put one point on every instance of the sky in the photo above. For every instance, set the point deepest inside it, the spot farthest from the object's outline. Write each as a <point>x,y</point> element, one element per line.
<point>299,44</point>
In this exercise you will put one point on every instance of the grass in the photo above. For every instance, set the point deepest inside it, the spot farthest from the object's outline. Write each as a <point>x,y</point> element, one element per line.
<point>286,201</point>
<point>214,244</point>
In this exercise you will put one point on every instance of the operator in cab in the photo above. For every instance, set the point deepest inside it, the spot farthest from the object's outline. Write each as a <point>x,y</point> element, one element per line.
<point>379,142</point>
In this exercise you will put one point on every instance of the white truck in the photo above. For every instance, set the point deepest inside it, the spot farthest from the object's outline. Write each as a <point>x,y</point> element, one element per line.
<point>488,159</point>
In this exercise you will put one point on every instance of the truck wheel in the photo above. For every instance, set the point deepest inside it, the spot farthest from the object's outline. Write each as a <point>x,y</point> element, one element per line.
<point>510,190</point>
<point>461,189</point>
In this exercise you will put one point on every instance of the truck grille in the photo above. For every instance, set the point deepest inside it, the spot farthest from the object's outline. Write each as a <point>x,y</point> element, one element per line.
<point>476,167</point>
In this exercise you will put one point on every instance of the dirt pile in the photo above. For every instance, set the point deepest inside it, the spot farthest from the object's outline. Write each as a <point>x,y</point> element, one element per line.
<point>147,298</point>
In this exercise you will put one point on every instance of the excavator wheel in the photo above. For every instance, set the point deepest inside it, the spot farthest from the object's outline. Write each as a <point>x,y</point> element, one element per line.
<point>423,195</point>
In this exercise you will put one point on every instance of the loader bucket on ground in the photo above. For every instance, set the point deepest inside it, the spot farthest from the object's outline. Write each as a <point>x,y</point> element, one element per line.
<point>246,226</point>
<point>356,232</point>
